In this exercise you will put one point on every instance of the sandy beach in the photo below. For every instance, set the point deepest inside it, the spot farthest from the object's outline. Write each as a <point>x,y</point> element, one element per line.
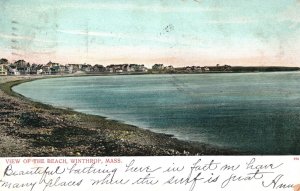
<point>28,128</point>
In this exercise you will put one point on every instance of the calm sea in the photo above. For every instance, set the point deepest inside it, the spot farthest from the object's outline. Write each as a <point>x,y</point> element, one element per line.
<point>256,112</point>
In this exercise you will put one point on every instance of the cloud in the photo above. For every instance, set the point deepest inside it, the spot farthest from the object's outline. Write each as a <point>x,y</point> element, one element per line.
<point>130,7</point>
<point>291,14</point>
<point>100,34</point>
<point>27,38</point>
<point>232,21</point>
<point>43,53</point>
<point>135,7</point>
<point>169,39</point>
<point>113,35</point>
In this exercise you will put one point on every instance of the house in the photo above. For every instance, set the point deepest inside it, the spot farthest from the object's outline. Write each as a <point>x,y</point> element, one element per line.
<point>33,69</point>
<point>227,68</point>
<point>52,64</point>
<point>125,68</point>
<point>86,68</point>
<point>133,68</point>
<point>170,67</point>
<point>22,67</point>
<point>28,69</point>
<point>196,68</point>
<point>110,68</point>
<point>46,70</point>
<point>12,70</point>
<point>206,69</point>
<point>72,68</point>
<point>114,68</point>
<point>3,70</point>
<point>39,71</point>
<point>98,68</point>
<point>55,69</point>
<point>220,68</point>
<point>62,69</point>
<point>118,70</point>
<point>52,68</point>
<point>68,69</point>
<point>188,69</point>
<point>136,68</point>
<point>142,68</point>
<point>157,67</point>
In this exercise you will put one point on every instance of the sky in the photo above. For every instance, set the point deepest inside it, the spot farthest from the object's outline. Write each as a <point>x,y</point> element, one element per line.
<point>171,32</point>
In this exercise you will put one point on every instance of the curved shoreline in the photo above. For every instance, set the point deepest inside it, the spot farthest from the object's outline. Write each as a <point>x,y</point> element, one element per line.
<point>51,131</point>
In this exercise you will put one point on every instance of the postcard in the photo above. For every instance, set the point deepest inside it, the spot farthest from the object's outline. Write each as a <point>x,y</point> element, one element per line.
<point>149,95</point>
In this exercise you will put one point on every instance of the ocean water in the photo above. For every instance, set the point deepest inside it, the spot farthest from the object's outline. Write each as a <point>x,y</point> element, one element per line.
<point>251,112</point>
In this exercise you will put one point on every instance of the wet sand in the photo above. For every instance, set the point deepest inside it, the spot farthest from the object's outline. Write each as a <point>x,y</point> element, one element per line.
<point>29,128</point>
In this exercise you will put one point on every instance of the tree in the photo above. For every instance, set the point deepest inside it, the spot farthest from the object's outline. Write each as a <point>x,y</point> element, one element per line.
<point>3,61</point>
<point>21,64</point>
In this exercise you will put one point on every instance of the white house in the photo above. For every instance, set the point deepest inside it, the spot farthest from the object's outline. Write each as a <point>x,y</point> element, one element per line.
<point>3,70</point>
<point>39,71</point>
<point>13,71</point>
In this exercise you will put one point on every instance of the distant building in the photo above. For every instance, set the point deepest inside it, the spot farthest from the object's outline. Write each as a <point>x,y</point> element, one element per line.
<point>206,69</point>
<point>110,68</point>
<point>219,68</point>
<point>188,69</point>
<point>32,69</point>
<point>86,68</point>
<point>46,70</point>
<point>144,69</point>
<point>52,64</point>
<point>22,67</point>
<point>137,68</point>
<point>3,70</point>
<point>12,70</point>
<point>170,68</point>
<point>72,68</point>
<point>98,68</point>
<point>118,70</point>
<point>132,68</point>
<point>196,68</point>
<point>125,67</point>
<point>39,71</point>
<point>227,68</point>
<point>62,69</point>
<point>158,67</point>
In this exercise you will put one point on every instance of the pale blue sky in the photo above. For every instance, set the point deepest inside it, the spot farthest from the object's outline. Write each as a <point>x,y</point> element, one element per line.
<point>178,32</point>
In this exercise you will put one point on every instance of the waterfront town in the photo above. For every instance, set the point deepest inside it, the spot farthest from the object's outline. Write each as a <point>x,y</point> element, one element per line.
<point>21,67</point>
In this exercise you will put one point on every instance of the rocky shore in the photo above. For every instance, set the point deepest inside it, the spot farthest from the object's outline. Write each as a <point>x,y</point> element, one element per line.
<point>28,128</point>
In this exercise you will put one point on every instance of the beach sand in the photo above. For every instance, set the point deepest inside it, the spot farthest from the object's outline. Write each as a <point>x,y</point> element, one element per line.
<point>28,128</point>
